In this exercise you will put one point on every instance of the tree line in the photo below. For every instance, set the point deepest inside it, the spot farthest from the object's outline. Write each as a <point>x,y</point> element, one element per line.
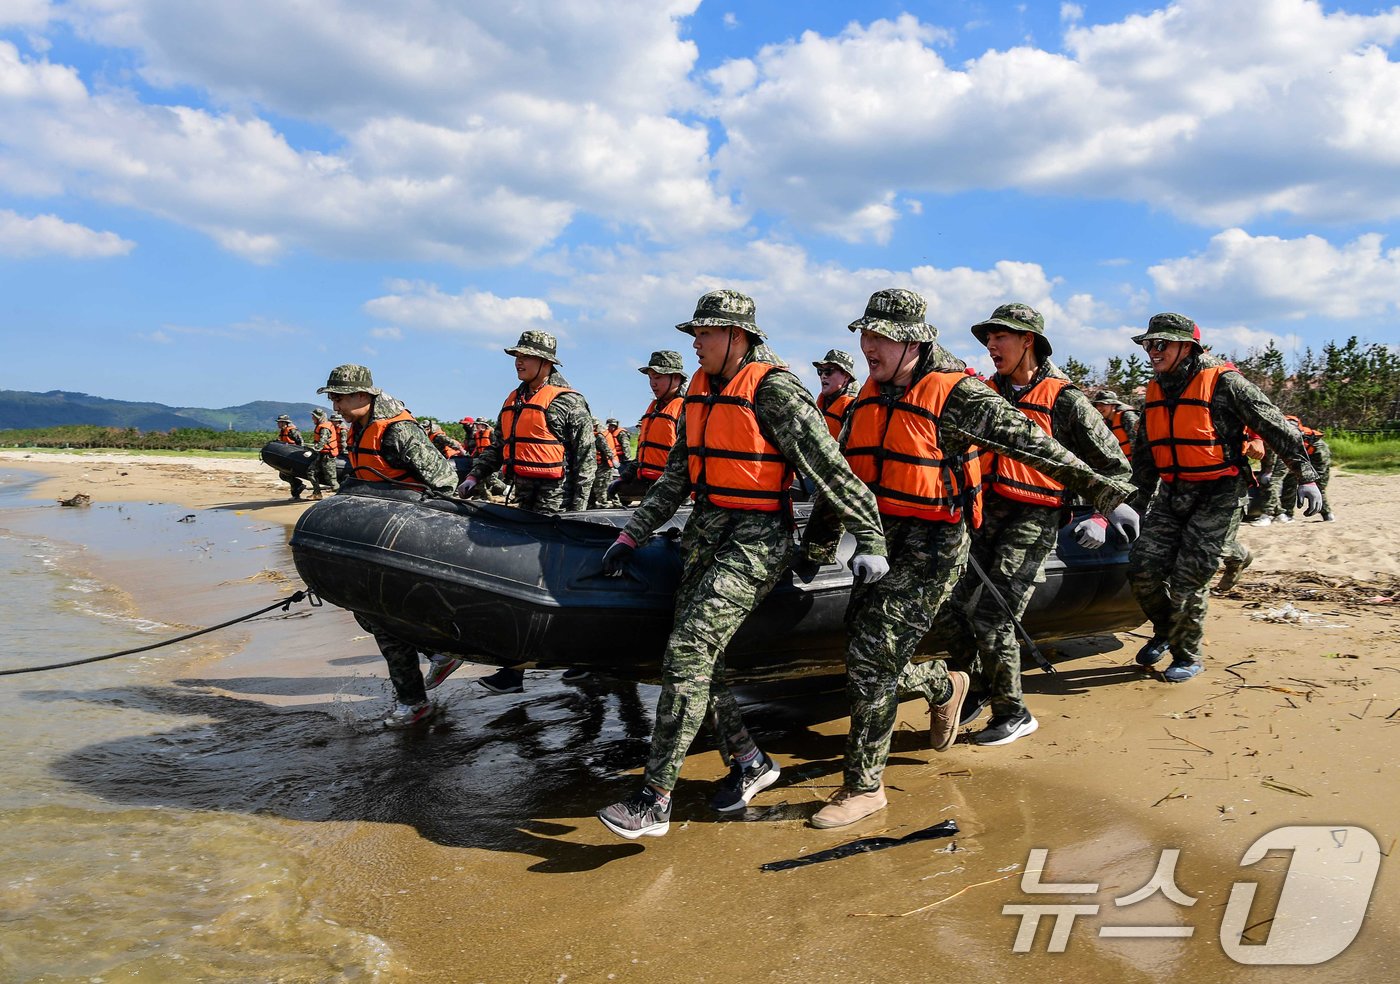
<point>1346,387</point>
<point>130,438</point>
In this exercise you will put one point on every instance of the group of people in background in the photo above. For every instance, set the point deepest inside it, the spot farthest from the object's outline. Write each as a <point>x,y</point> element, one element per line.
<point>954,487</point>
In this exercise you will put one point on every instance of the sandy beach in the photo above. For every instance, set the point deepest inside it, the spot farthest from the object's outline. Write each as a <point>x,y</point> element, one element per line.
<point>471,851</point>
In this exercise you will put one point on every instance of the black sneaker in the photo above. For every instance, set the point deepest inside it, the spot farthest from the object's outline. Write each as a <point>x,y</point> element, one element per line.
<point>574,674</point>
<point>973,706</point>
<point>506,680</point>
<point>741,785</point>
<point>637,816</point>
<point>1152,653</point>
<point>1003,729</point>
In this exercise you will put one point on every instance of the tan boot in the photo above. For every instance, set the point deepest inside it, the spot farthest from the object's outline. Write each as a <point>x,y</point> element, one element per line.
<point>1232,569</point>
<point>944,717</point>
<point>847,806</point>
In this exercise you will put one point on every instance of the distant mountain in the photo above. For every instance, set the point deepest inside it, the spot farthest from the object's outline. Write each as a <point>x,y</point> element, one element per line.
<point>19,409</point>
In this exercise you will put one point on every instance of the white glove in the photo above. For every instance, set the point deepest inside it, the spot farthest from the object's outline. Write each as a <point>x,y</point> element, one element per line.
<point>465,489</point>
<point>1310,496</point>
<point>1092,533</point>
<point>1124,520</point>
<point>869,567</point>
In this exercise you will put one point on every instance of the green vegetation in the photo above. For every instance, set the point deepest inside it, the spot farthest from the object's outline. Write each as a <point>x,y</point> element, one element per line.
<point>83,437</point>
<point>1365,452</point>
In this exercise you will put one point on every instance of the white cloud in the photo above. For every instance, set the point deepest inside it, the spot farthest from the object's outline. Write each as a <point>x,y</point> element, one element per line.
<point>25,13</point>
<point>158,337</point>
<point>48,235</point>
<point>1239,277</point>
<point>478,314</point>
<point>390,334</point>
<point>1219,110</point>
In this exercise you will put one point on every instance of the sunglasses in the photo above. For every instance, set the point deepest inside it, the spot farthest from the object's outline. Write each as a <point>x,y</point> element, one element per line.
<point>826,371</point>
<point>1156,345</point>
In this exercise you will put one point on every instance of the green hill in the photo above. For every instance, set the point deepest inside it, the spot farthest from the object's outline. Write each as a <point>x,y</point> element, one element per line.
<point>57,408</point>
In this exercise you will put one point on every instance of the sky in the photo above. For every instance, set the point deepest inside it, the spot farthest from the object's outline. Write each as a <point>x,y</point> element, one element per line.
<point>205,204</point>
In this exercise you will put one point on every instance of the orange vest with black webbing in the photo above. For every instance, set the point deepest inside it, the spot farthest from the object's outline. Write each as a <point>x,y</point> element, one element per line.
<point>1120,431</point>
<point>1181,434</point>
<point>367,453</point>
<point>483,440</point>
<point>892,446</point>
<point>328,437</point>
<point>444,442</point>
<point>834,412</point>
<point>604,451</point>
<point>656,435</point>
<point>284,433</point>
<point>529,449</point>
<point>1010,478</point>
<point>1309,433</point>
<point>732,464</point>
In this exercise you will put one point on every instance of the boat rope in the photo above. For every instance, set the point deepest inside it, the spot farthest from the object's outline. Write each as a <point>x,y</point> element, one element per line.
<point>286,604</point>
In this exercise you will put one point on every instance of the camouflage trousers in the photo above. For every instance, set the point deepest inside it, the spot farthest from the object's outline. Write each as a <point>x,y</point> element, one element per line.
<point>1184,534</point>
<point>1321,459</point>
<point>323,473</point>
<point>492,483</point>
<point>402,658</point>
<point>886,622</point>
<point>1235,551</point>
<point>1010,546</point>
<point>547,496</point>
<point>732,558</point>
<point>598,496</point>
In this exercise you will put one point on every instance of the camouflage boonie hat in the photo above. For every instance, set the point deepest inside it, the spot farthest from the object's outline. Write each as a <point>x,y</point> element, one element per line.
<point>350,378</point>
<point>723,309</point>
<point>1017,317</point>
<point>540,344</point>
<point>1108,396</point>
<point>665,362</point>
<point>841,360</point>
<point>612,420</point>
<point>337,418</point>
<point>284,419</point>
<point>318,414</point>
<point>1171,327</point>
<point>898,315</point>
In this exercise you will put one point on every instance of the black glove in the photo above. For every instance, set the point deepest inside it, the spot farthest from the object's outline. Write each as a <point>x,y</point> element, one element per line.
<point>617,557</point>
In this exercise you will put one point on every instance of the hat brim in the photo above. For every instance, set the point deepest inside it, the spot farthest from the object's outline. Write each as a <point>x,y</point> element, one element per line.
<point>689,326</point>
<point>347,390</point>
<point>899,331</point>
<point>1150,336</point>
<point>661,370</point>
<point>549,357</point>
<point>982,329</point>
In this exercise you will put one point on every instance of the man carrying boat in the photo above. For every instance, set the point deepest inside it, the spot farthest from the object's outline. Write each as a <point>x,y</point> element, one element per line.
<point>665,372</point>
<point>325,438</point>
<point>913,437</point>
<point>837,373</point>
<point>605,456</point>
<point>287,433</point>
<point>387,445</point>
<point>543,445</point>
<point>748,423</point>
<point>1192,439</point>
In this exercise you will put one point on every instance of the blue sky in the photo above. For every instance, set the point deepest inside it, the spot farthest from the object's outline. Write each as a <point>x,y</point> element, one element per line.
<point>207,204</point>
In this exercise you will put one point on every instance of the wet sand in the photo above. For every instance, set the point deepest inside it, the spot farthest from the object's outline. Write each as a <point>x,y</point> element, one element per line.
<point>471,851</point>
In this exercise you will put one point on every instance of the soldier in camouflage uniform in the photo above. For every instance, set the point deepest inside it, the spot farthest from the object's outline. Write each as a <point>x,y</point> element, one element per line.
<point>1320,456</point>
<point>735,544</point>
<point>887,620</point>
<point>1195,510</point>
<point>1118,414</point>
<point>568,420</point>
<point>403,447</point>
<point>606,459</point>
<point>287,433</point>
<point>1020,521</point>
<point>326,442</point>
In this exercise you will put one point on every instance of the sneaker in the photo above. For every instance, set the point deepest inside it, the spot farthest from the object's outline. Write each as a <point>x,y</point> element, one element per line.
<point>1232,569</point>
<point>847,806</point>
<point>637,816</point>
<point>1182,670</point>
<point>574,674</point>
<point>439,669</point>
<point>1261,521</point>
<point>943,718</point>
<point>506,680</point>
<point>407,715</point>
<point>741,785</point>
<point>1152,653</point>
<point>973,706</point>
<point>1283,518</point>
<point>1003,729</point>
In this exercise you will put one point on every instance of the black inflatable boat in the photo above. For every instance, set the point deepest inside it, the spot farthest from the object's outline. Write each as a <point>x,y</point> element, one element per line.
<point>503,586</point>
<point>294,460</point>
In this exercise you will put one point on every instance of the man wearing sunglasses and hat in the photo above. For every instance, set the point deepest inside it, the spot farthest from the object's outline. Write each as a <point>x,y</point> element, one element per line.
<point>748,424</point>
<point>837,373</point>
<point>1190,450</point>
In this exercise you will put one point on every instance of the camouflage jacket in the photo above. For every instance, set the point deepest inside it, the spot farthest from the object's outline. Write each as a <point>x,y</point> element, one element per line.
<point>975,414</point>
<point>789,416</point>
<point>1237,404</point>
<point>569,418</point>
<point>406,446</point>
<point>1077,425</point>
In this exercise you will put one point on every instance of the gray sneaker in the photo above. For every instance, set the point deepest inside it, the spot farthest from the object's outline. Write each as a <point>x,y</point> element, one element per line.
<point>439,669</point>
<point>407,715</point>
<point>637,816</point>
<point>742,785</point>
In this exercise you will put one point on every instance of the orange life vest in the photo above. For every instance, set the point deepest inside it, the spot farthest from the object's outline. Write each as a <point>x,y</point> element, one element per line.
<point>1308,433</point>
<point>892,446</point>
<point>367,453</point>
<point>1120,431</point>
<point>657,434</point>
<point>618,442</point>
<point>835,411</point>
<point>732,464</point>
<point>483,440</point>
<point>330,443</point>
<point>444,442</point>
<point>284,433</point>
<point>604,453</point>
<point>530,448</point>
<point>1010,478</point>
<point>1181,434</point>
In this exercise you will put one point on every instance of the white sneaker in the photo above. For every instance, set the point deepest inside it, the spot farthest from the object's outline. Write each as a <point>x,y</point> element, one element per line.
<point>1260,521</point>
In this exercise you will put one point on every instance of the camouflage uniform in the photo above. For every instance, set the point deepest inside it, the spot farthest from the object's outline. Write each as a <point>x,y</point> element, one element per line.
<point>1320,457</point>
<point>886,621</point>
<point>286,428</point>
<point>323,468</point>
<point>733,557</point>
<point>606,472</point>
<point>1187,525</point>
<point>572,422</point>
<point>404,446</point>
